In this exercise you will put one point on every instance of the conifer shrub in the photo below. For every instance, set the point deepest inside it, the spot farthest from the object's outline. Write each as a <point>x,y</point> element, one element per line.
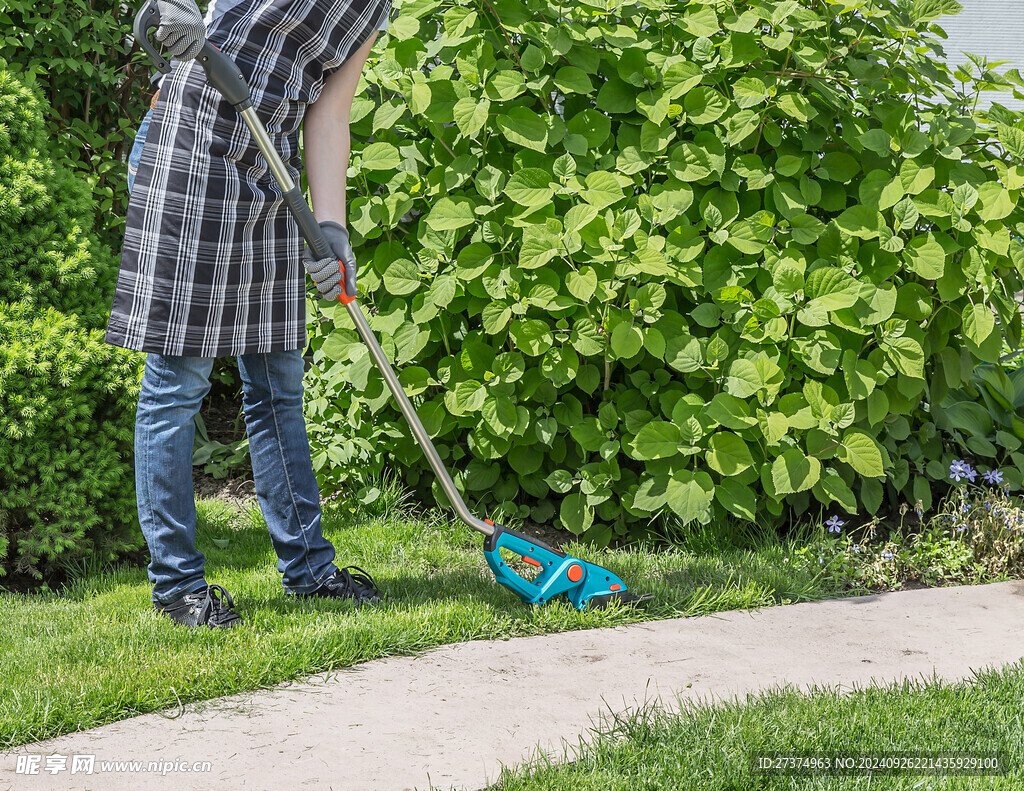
<point>67,399</point>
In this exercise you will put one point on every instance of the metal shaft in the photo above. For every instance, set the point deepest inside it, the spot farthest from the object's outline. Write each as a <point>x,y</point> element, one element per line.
<point>259,131</point>
<point>277,166</point>
<point>414,421</point>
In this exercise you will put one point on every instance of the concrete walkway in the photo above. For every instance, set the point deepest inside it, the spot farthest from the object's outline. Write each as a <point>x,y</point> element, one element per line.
<point>452,716</point>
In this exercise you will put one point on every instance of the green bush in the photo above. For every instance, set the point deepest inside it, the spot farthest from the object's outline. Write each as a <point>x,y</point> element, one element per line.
<point>984,421</point>
<point>67,398</point>
<point>48,255</point>
<point>95,86</point>
<point>67,402</point>
<point>646,260</point>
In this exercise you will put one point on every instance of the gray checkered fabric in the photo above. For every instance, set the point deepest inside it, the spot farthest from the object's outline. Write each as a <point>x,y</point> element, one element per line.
<point>211,264</point>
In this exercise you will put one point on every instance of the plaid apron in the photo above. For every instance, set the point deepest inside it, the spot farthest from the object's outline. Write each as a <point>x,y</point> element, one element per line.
<point>211,263</point>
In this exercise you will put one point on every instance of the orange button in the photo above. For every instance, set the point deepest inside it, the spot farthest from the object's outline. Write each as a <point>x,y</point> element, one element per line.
<point>575,573</point>
<point>531,561</point>
<point>615,588</point>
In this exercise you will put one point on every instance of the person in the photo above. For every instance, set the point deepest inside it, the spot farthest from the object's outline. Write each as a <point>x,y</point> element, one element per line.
<point>212,265</point>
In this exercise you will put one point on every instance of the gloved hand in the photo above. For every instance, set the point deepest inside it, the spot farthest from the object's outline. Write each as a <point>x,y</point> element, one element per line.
<point>326,272</point>
<point>182,30</point>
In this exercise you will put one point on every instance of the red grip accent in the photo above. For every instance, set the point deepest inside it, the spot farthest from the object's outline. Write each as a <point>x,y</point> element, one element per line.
<point>488,521</point>
<point>532,562</point>
<point>344,298</point>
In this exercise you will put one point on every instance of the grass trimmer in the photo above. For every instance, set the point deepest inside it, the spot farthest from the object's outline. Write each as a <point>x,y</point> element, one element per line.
<point>583,583</point>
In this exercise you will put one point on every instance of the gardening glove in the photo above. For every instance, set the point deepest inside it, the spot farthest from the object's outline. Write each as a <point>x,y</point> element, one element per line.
<point>181,29</point>
<point>326,273</point>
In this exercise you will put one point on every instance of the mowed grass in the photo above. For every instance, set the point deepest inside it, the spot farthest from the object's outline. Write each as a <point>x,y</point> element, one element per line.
<point>97,652</point>
<point>713,747</point>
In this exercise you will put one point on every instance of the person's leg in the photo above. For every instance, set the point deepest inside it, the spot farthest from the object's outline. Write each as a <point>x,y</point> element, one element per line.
<point>285,483</point>
<point>136,153</point>
<point>172,391</point>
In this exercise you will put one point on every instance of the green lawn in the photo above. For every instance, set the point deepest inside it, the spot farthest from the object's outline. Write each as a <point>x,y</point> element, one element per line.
<point>97,652</point>
<point>709,747</point>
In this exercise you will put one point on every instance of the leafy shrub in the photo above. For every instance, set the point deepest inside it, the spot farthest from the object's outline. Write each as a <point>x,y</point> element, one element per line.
<point>67,398</point>
<point>697,262</point>
<point>48,256</point>
<point>95,86</point>
<point>67,403</point>
<point>982,420</point>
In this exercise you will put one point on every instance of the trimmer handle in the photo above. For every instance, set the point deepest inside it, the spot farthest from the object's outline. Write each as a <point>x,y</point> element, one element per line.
<point>221,71</point>
<point>147,19</point>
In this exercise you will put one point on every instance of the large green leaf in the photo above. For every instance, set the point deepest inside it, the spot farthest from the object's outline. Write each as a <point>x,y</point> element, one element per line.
<point>401,277</point>
<point>978,322</point>
<point>656,440</point>
<point>533,336</point>
<point>793,471</point>
<point>728,454</point>
<point>862,452</point>
<point>689,495</point>
<point>576,515</point>
<point>738,498</point>
<point>530,187</point>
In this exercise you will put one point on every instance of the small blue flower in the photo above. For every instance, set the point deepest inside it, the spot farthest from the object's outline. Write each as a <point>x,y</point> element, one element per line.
<point>988,506</point>
<point>959,470</point>
<point>964,508</point>
<point>821,561</point>
<point>834,524</point>
<point>856,548</point>
<point>961,528</point>
<point>887,555</point>
<point>993,476</point>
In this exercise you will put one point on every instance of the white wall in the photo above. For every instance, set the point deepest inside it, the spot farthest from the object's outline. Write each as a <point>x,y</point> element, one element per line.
<point>993,28</point>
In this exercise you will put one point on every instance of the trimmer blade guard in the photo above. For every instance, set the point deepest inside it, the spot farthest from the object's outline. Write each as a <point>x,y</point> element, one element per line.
<point>583,583</point>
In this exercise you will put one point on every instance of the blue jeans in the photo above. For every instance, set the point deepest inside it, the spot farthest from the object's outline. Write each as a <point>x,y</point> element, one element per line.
<point>173,388</point>
<point>136,152</point>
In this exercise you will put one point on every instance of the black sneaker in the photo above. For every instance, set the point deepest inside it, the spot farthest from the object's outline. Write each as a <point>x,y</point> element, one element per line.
<point>209,606</point>
<point>350,582</point>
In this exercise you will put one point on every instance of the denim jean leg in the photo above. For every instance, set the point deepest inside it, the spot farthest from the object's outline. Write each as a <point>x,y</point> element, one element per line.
<point>172,391</point>
<point>286,486</point>
<point>136,153</point>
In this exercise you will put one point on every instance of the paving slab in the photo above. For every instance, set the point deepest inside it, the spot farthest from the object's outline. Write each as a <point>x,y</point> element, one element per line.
<point>453,716</point>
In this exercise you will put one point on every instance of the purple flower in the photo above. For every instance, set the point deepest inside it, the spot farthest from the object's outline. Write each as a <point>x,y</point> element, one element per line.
<point>964,508</point>
<point>834,524</point>
<point>961,528</point>
<point>961,469</point>
<point>856,548</point>
<point>887,555</point>
<point>993,476</point>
